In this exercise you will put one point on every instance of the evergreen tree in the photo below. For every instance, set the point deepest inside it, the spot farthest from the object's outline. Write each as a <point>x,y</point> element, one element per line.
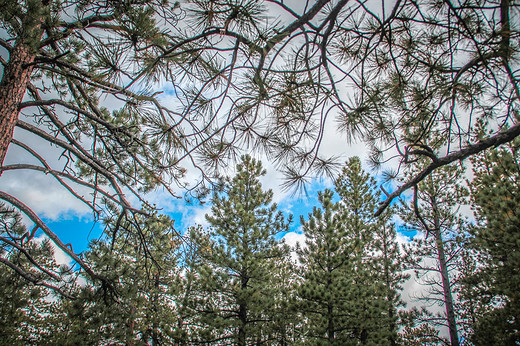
<point>237,303</point>
<point>350,266</point>
<point>74,74</point>
<point>24,306</point>
<point>492,287</point>
<point>387,263</point>
<point>435,259</point>
<point>414,331</point>
<point>287,319</point>
<point>138,304</point>
<point>25,291</point>
<point>88,78</point>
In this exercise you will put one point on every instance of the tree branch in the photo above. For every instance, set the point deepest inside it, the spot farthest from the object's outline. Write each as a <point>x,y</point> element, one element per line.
<point>34,218</point>
<point>494,141</point>
<point>31,278</point>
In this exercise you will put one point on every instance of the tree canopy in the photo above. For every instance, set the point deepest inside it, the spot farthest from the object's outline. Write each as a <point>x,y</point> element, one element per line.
<point>133,93</point>
<point>234,282</point>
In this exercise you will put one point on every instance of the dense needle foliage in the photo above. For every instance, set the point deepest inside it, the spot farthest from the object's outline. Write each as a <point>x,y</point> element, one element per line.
<point>112,100</point>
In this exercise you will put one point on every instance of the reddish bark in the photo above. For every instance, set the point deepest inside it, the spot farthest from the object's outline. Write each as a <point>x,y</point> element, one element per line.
<point>16,76</point>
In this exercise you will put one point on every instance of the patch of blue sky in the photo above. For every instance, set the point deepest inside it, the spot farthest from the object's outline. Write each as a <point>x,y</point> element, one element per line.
<point>80,230</point>
<point>167,90</point>
<point>302,204</point>
<point>407,231</point>
<point>77,231</point>
<point>389,187</point>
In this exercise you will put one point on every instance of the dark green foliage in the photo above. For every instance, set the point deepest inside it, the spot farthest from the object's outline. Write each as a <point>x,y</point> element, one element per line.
<point>349,267</point>
<point>239,260</point>
<point>137,301</point>
<point>494,283</point>
<point>131,92</point>
<point>24,304</point>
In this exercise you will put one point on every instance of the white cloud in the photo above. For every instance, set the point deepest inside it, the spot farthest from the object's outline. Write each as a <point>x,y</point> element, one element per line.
<point>402,239</point>
<point>43,194</point>
<point>292,239</point>
<point>39,191</point>
<point>59,255</point>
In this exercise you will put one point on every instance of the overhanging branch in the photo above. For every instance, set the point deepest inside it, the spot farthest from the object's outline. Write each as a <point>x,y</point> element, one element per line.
<point>31,278</point>
<point>494,141</point>
<point>34,218</point>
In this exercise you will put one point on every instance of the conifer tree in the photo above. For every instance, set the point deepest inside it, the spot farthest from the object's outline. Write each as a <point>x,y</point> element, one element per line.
<point>75,75</point>
<point>325,290</point>
<point>287,316</point>
<point>359,198</point>
<point>435,259</point>
<point>492,287</point>
<point>240,255</point>
<point>140,306</point>
<point>24,290</point>
<point>347,297</point>
<point>89,78</point>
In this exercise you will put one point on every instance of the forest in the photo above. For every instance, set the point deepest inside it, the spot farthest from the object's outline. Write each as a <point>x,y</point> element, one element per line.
<point>235,284</point>
<point>407,111</point>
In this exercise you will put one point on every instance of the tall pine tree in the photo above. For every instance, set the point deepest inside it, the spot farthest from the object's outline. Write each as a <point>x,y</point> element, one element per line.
<point>350,266</point>
<point>493,285</point>
<point>138,302</point>
<point>24,289</point>
<point>434,211</point>
<point>240,255</point>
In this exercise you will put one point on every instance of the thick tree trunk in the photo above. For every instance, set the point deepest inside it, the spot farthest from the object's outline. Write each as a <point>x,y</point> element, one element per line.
<point>14,82</point>
<point>131,326</point>
<point>448,299</point>
<point>242,313</point>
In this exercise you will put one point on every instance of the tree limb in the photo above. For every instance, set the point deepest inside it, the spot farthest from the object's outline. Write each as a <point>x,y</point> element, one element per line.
<point>494,141</point>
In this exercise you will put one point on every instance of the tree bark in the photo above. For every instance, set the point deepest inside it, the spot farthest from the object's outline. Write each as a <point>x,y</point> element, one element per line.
<point>448,299</point>
<point>17,75</point>
<point>330,326</point>
<point>242,314</point>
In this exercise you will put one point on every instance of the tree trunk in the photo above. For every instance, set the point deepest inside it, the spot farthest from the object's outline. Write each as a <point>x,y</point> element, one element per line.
<point>448,299</point>
<point>242,315</point>
<point>14,82</point>
<point>131,326</point>
<point>330,326</point>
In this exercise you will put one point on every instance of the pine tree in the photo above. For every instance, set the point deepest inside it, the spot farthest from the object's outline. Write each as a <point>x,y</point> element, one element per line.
<point>240,255</point>
<point>140,305</point>
<point>388,261</point>
<point>74,75</point>
<point>492,287</point>
<point>350,266</point>
<point>25,291</point>
<point>434,211</point>
<point>286,314</point>
<point>423,70</point>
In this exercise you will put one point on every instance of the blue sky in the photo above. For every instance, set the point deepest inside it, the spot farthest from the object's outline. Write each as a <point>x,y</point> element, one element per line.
<point>80,230</point>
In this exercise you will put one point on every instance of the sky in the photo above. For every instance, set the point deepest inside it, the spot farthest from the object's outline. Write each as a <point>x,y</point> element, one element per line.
<point>74,223</point>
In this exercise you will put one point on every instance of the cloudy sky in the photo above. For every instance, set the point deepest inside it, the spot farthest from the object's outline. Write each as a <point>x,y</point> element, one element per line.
<point>74,223</point>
